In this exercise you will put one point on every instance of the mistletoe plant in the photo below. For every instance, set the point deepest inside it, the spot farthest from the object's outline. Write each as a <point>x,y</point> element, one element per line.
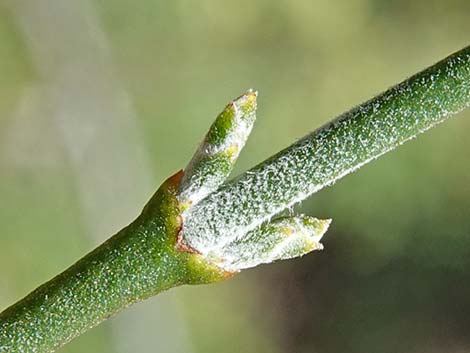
<point>199,228</point>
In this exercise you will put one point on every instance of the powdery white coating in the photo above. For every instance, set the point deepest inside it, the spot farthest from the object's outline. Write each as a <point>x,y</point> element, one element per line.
<point>337,149</point>
<point>283,238</point>
<point>214,160</point>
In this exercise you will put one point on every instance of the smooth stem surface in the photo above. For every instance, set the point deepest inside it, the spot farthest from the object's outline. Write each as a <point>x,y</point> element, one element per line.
<point>322,157</point>
<point>138,262</point>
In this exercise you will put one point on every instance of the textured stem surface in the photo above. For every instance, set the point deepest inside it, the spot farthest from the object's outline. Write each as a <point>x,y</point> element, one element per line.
<point>138,262</point>
<point>321,158</point>
<point>147,257</point>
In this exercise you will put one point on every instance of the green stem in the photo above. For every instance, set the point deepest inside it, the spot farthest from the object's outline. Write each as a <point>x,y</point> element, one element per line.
<point>152,254</point>
<point>328,154</point>
<point>138,262</point>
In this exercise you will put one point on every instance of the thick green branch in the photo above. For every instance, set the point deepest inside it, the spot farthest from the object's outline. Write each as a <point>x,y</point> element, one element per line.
<point>326,155</point>
<point>157,251</point>
<point>138,262</point>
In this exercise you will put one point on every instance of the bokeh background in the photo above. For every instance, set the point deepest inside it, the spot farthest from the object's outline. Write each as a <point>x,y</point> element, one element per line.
<point>101,100</point>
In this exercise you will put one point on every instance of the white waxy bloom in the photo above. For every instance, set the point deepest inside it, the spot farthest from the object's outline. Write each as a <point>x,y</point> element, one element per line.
<point>280,239</point>
<point>244,247</point>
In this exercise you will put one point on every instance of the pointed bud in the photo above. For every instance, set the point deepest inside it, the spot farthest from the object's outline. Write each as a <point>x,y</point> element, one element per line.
<point>216,156</point>
<point>283,238</point>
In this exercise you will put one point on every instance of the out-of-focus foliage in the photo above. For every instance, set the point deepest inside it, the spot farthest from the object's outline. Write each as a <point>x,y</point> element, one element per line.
<point>393,274</point>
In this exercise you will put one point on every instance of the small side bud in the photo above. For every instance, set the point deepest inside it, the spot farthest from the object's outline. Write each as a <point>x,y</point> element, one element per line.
<point>282,238</point>
<point>217,154</point>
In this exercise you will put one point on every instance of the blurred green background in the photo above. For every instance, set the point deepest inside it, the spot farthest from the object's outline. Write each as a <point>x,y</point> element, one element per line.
<point>101,100</point>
